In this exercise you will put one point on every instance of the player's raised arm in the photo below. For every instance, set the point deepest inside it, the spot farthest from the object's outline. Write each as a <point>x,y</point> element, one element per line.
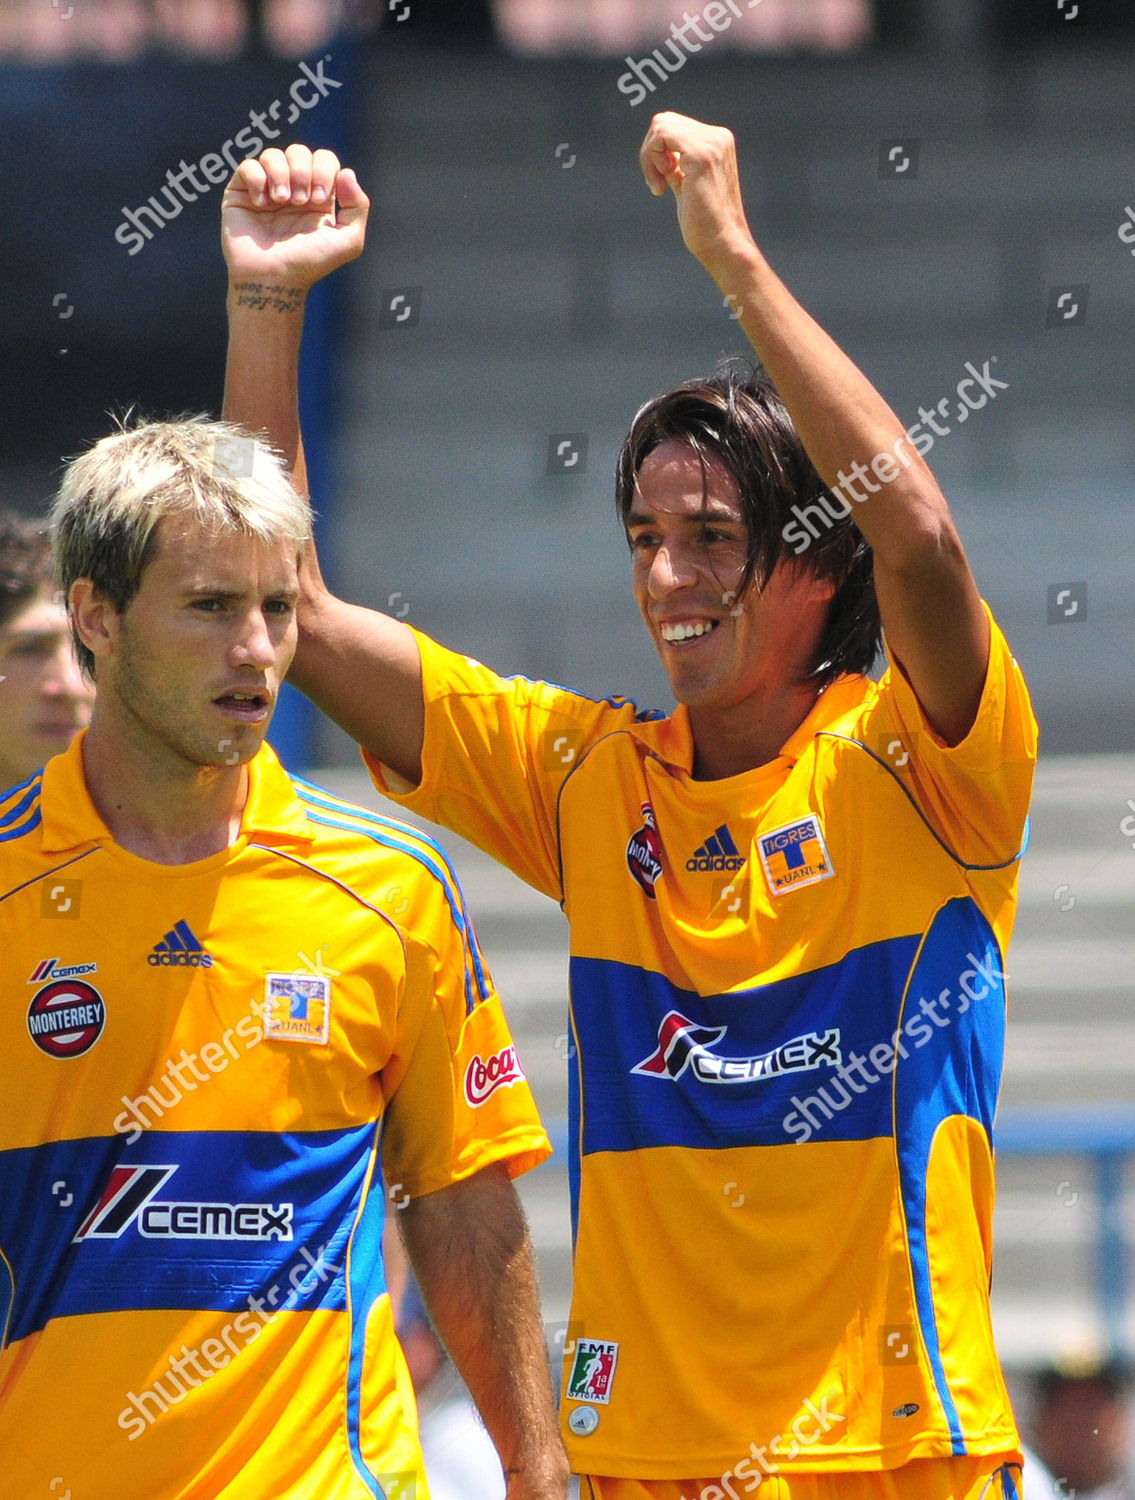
<point>931,610</point>
<point>288,219</point>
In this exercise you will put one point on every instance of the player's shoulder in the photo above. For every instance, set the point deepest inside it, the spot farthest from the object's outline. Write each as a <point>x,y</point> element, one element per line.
<point>375,854</point>
<point>21,818</point>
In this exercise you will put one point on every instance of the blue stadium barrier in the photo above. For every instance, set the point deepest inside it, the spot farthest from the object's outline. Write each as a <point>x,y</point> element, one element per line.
<point>1105,1135</point>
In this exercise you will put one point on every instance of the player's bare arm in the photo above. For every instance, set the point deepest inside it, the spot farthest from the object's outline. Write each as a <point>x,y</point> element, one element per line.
<point>469,1247</point>
<point>290,218</point>
<point>930,606</point>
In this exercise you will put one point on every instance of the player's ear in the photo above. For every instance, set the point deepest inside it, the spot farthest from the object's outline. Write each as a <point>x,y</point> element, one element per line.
<point>96,621</point>
<point>818,587</point>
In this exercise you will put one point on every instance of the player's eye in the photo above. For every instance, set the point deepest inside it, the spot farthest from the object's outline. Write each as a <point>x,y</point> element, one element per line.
<point>32,648</point>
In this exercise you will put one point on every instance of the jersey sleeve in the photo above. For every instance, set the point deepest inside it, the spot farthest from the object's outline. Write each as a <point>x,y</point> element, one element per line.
<point>975,794</point>
<point>456,1095</point>
<point>496,753</point>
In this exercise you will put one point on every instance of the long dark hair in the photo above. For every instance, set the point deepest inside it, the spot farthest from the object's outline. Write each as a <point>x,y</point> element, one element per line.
<point>736,416</point>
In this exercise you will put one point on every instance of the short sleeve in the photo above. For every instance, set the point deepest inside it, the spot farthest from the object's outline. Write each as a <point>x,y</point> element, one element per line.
<point>974,794</point>
<point>496,752</point>
<point>457,1099</point>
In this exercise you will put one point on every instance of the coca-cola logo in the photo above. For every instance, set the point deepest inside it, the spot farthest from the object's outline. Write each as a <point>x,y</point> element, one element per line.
<point>484,1077</point>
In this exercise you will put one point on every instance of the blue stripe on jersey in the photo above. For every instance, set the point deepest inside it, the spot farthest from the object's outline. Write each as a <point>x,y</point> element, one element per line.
<point>476,983</point>
<point>317,797</point>
<point>29,827</point>
<point>620,1014</point>
<point>958,1073</point>
<point>366,1282</point>
<point>140,1264</point>
<point>575,1143</point>
<point>7,1297</point>
<point>11,830</point>
<point>32,787</point>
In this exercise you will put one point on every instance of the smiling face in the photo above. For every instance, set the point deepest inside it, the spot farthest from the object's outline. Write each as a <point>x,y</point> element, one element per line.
<point>192,667</point>
<point>689,543</point>
<point>44,699</point>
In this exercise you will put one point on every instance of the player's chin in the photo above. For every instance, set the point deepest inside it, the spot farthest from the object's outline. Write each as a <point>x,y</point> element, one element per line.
<point>234,750</point>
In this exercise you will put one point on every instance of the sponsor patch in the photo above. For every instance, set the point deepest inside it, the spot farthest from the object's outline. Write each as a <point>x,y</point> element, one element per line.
<point>794,856</point>
<point>644,852</point>
<point>127,1201</point>
<point>484,1076</point>
<point>683,1044</point>
<point>51,968</point>
<point>297,1008</point>
<point>908,1410</point>
<point>66,1018</point>
<point>719,852</point>
<point>179,949</point>
<point>592,1371</point>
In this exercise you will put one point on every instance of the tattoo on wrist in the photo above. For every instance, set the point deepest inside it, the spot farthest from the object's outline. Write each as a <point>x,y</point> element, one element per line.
<point>262,295</point>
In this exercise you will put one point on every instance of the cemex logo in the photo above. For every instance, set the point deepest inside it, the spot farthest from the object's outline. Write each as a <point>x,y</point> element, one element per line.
<point>51,968</point>
<point>180,949</point>
<point>128,1199</point>
<point>682,1044</point>
<point>719,852</point>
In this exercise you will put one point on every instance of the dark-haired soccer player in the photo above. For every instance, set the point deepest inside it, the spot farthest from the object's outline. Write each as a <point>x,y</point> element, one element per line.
<point>789,901</point>
<point>44,698</point>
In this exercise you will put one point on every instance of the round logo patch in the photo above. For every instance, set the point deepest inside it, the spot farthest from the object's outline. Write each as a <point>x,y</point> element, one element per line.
<point>66,1018</point>
<point>583,1421</point>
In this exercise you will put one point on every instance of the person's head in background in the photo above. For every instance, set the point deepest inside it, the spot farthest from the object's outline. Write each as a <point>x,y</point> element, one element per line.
<point>1082,1421</point>
<point>44,699</point>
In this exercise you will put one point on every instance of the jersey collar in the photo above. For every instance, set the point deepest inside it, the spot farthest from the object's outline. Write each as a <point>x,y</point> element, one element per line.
<point>673,738</point>
<point>272,813</point>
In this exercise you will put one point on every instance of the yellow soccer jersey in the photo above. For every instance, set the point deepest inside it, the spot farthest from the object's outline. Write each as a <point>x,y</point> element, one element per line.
<point>787,1004</point>
<point>214,1075</point>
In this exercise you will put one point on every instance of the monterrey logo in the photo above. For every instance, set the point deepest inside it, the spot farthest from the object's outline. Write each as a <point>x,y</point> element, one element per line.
<point>683,1044</point>
<point>66,1018</point>
<point>644,852</point>
<point>500,1071</point>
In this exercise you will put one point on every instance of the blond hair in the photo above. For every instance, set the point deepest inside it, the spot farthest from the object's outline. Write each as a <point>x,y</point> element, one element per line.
<point>112,497</point>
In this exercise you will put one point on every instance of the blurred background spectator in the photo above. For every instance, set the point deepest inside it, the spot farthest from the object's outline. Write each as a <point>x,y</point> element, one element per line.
<point>1081,1427</point>
<point>44,700</point>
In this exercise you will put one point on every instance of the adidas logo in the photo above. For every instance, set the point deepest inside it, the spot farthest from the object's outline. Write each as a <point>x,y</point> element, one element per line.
<point>180,949</point>
<point>719,852</point>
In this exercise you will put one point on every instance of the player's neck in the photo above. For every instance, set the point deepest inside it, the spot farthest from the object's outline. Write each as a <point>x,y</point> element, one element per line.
<point>729,741</point>
<point>157,805</point>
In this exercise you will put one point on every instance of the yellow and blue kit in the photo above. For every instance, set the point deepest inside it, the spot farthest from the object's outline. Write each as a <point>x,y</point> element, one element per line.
<point>215,1075</point>
<point>787,1008</point>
